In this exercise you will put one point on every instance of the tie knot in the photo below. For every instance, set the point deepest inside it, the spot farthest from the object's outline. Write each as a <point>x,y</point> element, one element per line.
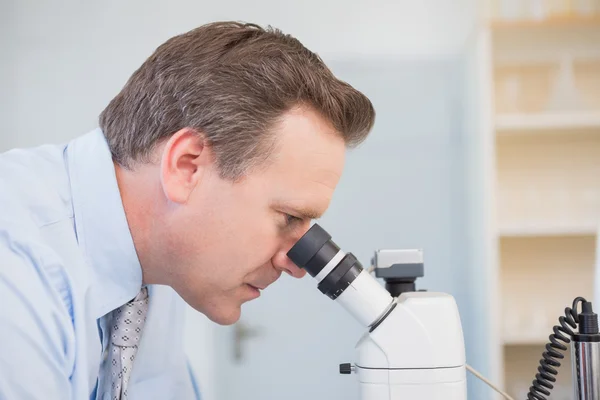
<point>128,321</point>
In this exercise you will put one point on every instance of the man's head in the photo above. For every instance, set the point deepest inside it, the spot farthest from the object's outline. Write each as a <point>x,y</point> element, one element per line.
<point>228,141</point>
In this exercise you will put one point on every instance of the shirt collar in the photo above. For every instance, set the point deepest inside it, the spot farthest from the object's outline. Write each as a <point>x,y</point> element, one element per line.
<point>101,225</point>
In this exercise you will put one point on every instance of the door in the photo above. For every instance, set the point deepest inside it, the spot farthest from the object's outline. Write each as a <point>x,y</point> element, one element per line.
<point>404,188</point>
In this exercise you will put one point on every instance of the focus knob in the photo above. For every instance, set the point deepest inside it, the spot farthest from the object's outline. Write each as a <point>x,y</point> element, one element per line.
<point>346,368</point>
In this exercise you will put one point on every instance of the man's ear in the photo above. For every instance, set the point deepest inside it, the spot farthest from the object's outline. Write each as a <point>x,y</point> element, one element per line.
<point>186,157</point>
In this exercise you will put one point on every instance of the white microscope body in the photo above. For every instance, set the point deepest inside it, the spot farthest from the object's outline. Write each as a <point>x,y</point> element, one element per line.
<point>425,361</point>
<point>414,347</point>
<point>416,351</point>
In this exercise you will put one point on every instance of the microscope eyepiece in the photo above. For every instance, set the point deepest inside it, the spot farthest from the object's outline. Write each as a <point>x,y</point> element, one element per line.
<point>335,271</point>
<point>314,250</point>
<point>323,260</point>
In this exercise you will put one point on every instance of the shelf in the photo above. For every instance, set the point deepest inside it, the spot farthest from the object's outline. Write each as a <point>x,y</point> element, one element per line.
<point>527,340</point>
<point>508,123</point>
<point>558,21</point>
<point>549,230</point>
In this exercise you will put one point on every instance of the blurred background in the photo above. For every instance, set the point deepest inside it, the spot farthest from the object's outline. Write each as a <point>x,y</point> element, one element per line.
<point>485,154</point>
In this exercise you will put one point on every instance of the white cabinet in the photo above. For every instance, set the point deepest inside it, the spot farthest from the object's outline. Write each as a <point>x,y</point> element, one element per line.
<point>538,71</point>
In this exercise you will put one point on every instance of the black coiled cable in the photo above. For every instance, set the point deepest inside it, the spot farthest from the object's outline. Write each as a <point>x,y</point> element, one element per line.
<point>545,377</point>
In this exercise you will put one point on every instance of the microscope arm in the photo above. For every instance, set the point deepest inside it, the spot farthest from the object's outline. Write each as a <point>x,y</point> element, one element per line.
<point>416,352</point>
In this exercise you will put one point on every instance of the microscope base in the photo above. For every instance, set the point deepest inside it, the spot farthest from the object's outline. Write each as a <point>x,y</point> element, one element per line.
<point>413,384</point>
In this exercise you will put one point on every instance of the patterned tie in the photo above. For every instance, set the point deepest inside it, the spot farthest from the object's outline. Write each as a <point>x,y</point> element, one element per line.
<point>126,324</point>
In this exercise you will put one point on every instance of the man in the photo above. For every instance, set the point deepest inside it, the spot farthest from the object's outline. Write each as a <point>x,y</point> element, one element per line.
<point>206,168</point>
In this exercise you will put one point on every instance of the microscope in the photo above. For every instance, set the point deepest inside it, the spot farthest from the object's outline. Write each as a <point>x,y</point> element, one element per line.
<point>413,347</point>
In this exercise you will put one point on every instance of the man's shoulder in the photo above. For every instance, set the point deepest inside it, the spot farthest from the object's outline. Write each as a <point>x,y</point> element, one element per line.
<point>31,272</point>
<point>36,300</point>
<point>28,254</point>
<point>34,182</point>
<point>34,197</point>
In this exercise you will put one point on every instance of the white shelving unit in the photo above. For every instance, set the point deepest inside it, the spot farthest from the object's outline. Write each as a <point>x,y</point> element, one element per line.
<point>540,110</point>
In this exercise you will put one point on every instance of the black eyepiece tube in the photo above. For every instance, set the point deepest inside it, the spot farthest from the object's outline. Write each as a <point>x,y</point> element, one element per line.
<point>314,250</point>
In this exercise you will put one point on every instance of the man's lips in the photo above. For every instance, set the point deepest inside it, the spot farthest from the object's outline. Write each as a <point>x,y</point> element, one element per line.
<point>261,286</point>
<point>264,283</point>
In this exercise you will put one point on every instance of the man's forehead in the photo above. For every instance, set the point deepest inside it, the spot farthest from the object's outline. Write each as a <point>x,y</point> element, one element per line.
<point>307,165</point>
<point>309,188</point>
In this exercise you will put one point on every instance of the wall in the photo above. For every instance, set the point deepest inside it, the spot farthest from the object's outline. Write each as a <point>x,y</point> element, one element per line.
<point>7,63</point>
<point>67,59</point>
<point>478,165</point>
<point>63,61</point>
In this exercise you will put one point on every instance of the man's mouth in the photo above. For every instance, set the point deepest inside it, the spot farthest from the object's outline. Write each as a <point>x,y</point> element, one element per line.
<point>265,283</point>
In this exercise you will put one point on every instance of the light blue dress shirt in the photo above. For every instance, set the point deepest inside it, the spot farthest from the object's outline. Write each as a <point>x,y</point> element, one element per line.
<point>67,259</point>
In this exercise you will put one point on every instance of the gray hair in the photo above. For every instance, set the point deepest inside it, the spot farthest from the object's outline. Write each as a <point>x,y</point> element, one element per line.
<point>230,82</point>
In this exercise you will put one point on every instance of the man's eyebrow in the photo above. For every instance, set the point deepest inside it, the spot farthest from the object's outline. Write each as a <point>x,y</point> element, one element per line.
<point>309,213</point>
<point>299,211</point>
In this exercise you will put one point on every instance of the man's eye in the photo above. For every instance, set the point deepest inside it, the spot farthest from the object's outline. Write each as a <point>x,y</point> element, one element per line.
<point>291,220</point>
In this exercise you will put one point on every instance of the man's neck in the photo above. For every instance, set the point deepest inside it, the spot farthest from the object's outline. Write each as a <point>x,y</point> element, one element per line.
<point>140,202</point>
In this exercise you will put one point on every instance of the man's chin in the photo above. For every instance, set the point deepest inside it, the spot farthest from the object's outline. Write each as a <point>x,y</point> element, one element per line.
<point>222,310</point>
<point>225,316</point>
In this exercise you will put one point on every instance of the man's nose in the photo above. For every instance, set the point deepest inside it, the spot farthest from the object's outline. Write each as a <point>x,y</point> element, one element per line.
<point>282,262</point>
